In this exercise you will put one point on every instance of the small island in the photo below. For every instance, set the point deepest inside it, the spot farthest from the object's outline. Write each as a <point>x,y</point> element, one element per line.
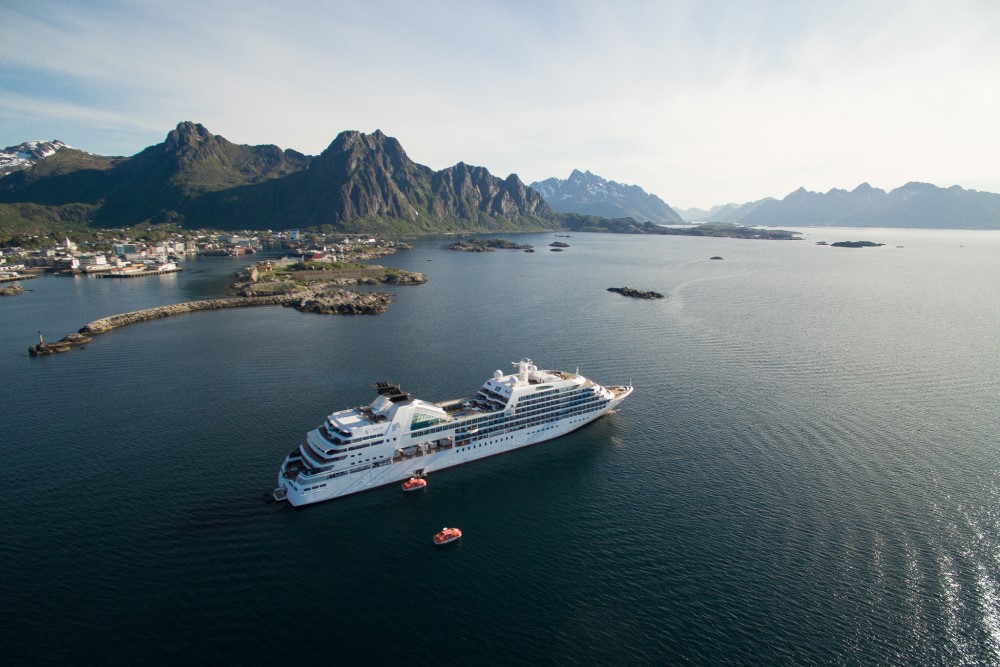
<point>636,293</point>
<point>269,278</point>
<point>716,257</point>
<point>856,244</point>
<point>488,245</point>
<point>558,244</point>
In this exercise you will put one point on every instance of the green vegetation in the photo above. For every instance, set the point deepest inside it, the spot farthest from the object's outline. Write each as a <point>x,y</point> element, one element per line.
<point>25,220</point>
<point>302,276</point>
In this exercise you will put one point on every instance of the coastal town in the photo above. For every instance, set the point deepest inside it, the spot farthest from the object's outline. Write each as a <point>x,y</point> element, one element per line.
<point>306,272</point>
<point>123,256</point>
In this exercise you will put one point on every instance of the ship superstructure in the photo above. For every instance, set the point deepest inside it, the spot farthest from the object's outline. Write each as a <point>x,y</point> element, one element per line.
<point>397,436</point>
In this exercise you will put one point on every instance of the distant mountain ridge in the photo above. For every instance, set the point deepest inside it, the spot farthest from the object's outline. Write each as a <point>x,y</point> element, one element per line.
<point>360,182</point>
<point>589,194</point>
<point>911,205</point>
<point>717,213</point>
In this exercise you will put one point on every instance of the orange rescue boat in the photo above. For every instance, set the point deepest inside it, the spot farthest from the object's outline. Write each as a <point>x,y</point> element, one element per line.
<point>447,536</point>
<point>414,484</point>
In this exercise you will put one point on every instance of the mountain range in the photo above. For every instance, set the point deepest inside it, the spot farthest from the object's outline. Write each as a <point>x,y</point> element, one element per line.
<point>589,194</point>
<point>911,205</point>
<point>361,182</point>
<point>367,183</point>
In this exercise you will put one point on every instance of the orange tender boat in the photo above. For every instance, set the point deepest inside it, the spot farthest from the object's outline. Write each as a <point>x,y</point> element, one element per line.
<point>447,536</point>
<point>414,484</point>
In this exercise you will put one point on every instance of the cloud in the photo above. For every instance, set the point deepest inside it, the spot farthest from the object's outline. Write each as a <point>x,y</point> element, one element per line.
<point>699,102</point>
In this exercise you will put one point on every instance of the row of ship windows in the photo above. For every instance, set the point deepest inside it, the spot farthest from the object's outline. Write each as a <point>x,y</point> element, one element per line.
<point>518,425</point>
<point>483,444</point>
<point>542,419</point>
<point>330,475</point>
<point>347,436</point>
<point>547,392</point>
<point>558,405</point>
<point>487,392</point>
<point>539,398</point>
<point>492,419</point>
<point>336,443</point>
<point>342,456</point>
<point>528,418</point>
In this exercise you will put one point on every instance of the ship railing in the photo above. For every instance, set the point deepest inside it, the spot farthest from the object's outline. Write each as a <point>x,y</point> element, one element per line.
<point>305,477</point>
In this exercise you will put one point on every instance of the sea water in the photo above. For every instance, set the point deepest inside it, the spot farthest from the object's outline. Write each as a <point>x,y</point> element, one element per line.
<point>807,472</point>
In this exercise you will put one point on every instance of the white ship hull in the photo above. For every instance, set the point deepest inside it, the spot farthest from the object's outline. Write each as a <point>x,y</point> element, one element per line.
<point>456,442</point>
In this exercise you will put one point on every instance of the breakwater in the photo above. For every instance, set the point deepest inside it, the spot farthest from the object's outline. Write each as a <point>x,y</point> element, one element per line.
<point>324,301</point>
<point>329,302</point>
<point>106,324</point>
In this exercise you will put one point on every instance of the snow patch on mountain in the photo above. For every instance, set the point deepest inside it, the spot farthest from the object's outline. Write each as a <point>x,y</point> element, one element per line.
<point>23,156</point>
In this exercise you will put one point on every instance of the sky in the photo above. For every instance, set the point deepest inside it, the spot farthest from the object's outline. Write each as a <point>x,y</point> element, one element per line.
<point>701,103</point>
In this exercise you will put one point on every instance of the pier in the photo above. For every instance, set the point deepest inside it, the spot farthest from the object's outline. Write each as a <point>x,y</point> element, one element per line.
<point>136,274</point>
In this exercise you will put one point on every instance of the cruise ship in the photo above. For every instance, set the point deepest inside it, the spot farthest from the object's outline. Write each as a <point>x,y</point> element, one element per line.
<point>397,436</point>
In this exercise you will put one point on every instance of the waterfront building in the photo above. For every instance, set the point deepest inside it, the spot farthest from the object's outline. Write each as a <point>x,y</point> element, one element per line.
<point>126,249</point>
<point>94,262</point>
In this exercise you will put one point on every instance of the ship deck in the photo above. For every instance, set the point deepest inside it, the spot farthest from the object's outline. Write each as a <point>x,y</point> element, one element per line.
<point>459,407</point>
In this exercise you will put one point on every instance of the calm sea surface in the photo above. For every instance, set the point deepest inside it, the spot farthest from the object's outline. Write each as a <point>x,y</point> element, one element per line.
<point>807,472</point>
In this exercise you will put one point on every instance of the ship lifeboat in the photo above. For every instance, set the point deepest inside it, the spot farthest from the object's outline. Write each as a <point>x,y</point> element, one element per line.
<point>447,536</point>
<point>414,484</point>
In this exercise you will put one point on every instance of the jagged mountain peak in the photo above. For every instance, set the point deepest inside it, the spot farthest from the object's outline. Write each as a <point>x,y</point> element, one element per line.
<point>351,139</point>
<point>590,194</point>
<point>187,134</point>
